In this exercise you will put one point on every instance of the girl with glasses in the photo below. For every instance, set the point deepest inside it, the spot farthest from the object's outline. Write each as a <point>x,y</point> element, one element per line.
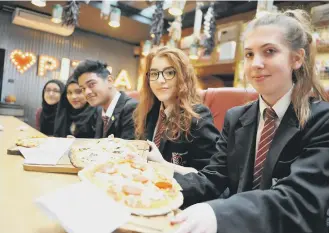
<point>180,130</point>
<point>45,116</point>
<point>74,115</point>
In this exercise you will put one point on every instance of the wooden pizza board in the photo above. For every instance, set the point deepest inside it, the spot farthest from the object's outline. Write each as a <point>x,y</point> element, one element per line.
<point>139,144</point>
<point>159,224</point>
<point>64,165</point>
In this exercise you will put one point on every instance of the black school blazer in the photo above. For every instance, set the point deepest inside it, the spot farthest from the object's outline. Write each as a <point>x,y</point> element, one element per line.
<point>197,150</point>
<point>294,190</point>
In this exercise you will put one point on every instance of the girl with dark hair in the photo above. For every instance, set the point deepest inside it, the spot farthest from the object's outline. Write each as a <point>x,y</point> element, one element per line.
<point>74,115</point>
<point>45,116</point>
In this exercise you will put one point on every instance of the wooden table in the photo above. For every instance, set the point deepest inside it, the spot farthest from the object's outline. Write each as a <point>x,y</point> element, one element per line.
<point>19,189</point>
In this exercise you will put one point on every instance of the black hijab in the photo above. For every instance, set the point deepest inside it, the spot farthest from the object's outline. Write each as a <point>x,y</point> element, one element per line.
<point>48,113</point>
<point>83,119</point>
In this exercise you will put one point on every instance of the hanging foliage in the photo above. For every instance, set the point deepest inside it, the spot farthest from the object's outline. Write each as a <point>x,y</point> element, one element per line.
<point>175,29</point>
<point>157,23</point>
<point>71,13</point>
<point>209,29</point>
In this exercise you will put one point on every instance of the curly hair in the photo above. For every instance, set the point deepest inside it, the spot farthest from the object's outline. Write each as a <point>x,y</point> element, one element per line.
<point>179,123</point>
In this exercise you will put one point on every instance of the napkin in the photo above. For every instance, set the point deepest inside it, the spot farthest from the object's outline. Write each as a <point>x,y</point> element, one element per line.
<point>83,208</point>
<point>48,153</point>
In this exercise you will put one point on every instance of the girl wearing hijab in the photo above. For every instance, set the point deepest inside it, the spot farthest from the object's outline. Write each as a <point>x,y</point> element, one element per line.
<point>45,116</point>
<point>74,115</point>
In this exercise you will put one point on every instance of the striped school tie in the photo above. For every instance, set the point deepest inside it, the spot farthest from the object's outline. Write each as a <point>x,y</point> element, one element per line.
<point>106,121</point>
<point>160,128</point>
<point>264,145</point>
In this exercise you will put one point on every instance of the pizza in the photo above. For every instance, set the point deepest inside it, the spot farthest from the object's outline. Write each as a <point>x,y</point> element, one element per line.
<point>94,151</point>
<point>144,188</point>
<point>30,142</point>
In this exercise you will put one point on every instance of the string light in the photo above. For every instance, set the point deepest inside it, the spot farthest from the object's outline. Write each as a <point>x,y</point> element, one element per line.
<point>46,63</point>
<point>122,80</point>
<point>22,61</point>
<point>75,63</point>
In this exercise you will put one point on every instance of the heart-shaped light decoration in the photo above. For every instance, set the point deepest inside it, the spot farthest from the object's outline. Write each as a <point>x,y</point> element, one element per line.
<point>22,61</point>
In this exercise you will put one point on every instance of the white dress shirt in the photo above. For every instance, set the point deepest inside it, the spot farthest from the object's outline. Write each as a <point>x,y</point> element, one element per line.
<point>110,109</point>
<point>280,108</point>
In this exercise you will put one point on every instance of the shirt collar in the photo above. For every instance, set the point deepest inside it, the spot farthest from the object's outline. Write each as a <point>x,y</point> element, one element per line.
<point>166,110</point>
<point>280,107</point>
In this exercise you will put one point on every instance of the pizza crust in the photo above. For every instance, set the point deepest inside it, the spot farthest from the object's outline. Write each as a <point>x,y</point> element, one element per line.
<point>87,175</point>
<point>173,205</point>
<point>30,142</point>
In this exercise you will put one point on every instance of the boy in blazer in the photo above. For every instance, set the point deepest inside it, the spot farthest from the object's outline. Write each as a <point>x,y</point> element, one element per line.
<point>115,114</point>
<point>274,152</point>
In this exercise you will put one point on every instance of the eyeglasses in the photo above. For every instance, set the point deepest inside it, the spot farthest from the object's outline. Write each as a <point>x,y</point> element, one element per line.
<point>53,90</point>
<point>167,74</point>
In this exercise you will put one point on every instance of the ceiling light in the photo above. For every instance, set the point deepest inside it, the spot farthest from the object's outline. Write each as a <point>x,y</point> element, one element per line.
<point>106,9</point>
<point>177,7</point>
<point>115,18</point>
<point>39,3</point>
<point>57,14</point>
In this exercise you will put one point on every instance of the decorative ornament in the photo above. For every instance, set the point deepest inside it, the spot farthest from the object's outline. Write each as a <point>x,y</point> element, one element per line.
<point>71,13</point>
<point>106,9</point>
<point>157,23</point>
<point>46,63</point>
<point>197,20</point>
<point>122,80</point>
<point>22,61</point>
<point>209,30</point>
<point>175,29</point>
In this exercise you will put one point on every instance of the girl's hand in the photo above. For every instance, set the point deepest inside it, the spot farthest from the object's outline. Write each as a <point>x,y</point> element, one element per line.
<point>154,153</point>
